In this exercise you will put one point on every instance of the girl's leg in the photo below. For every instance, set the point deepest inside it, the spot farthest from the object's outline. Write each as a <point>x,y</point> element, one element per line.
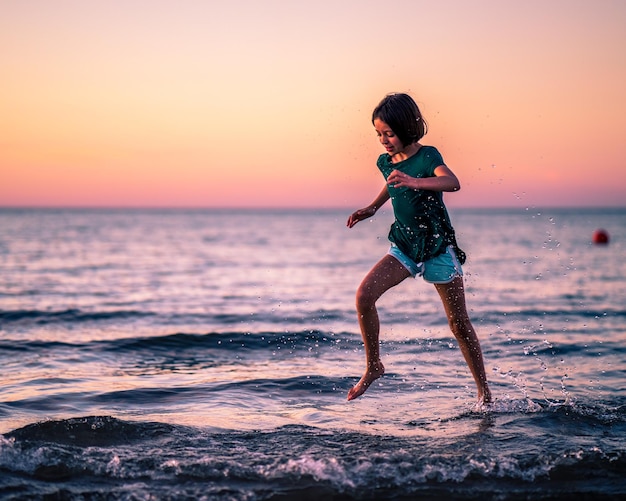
<point>453,297</point>
<point>385,274</point>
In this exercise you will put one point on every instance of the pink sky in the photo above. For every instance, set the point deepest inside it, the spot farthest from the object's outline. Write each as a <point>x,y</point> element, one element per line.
<point>248,103</point>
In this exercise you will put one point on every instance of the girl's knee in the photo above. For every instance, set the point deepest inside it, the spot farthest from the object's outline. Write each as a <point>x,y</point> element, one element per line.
<point>461,326</point>
<point>365,300</point>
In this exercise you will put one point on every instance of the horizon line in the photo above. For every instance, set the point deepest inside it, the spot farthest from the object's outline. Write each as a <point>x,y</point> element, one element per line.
<point>291,208</point>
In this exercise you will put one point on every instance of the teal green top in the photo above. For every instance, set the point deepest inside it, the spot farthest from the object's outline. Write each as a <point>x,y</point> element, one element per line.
<point>422,227</point>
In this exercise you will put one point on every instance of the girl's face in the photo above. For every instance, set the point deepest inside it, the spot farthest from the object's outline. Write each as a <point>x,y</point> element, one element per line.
<point>388,138</point>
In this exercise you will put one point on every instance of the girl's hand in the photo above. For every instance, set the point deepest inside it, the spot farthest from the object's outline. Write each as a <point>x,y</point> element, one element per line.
<point>360,215</point>
<point>398,179</point>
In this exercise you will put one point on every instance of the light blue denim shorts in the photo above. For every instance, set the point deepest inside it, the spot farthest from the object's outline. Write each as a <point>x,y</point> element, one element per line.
<point>441,269</point>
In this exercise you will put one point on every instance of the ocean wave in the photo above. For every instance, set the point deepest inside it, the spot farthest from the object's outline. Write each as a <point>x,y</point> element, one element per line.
<point>549,321</point>
<point>179,343</point>
<point>179,346</point>
<point>98,455</point>
<point>296,387</point>
<point>71,315</point>
<point>92,431</point>
<point>498,313</point>
<point>231,340</point>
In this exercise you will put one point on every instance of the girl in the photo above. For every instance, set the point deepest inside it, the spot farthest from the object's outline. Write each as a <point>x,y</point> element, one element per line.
<point>422,238</point>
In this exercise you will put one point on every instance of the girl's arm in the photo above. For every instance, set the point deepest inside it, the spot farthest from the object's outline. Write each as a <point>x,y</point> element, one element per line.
<point>444,180</point>
<point>370,210</point>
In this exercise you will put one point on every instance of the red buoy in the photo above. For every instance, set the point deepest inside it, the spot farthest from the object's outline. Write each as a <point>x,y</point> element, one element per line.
<point>600,236</point>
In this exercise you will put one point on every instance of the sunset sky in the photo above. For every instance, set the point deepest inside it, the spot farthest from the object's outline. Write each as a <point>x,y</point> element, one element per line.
<point>199,103</point>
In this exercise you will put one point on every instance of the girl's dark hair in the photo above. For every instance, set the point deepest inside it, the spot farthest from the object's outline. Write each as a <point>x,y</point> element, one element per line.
<point>400,112</point>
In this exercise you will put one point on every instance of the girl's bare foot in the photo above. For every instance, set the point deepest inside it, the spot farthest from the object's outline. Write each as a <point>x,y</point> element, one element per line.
<point>484,401</point>
<point>484,397</point>
<point>371,375</point>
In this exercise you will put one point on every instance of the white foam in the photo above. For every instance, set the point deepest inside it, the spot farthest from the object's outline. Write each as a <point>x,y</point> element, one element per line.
<point>499,406</point>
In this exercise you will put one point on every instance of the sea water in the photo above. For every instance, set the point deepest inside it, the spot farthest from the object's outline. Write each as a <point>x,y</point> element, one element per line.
<point>207,354</point>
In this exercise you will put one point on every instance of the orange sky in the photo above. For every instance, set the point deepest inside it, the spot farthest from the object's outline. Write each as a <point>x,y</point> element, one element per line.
<point>268,103</point>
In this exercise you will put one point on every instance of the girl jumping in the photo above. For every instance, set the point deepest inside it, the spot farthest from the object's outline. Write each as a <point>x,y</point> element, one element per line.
<point>422,239</point>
